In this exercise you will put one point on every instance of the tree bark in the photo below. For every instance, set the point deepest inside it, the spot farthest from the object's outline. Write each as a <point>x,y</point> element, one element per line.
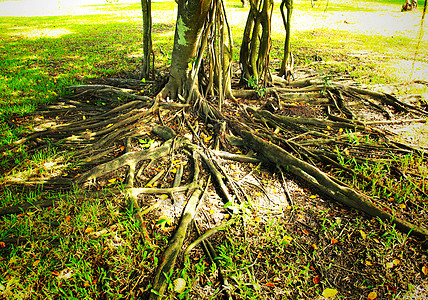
<point>254,55</point>
<point>286,66</point>
<point>146,7</point>
<point>191,17</point>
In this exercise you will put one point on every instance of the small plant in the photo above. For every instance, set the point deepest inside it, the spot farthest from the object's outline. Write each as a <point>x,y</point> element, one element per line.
<point>253,83</point>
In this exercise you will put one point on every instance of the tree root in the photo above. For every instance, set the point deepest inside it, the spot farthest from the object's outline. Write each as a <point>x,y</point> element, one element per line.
<point>323,182</point>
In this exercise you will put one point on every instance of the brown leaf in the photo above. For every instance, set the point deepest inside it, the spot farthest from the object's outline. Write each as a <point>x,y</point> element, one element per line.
<point>372,296</point>
<point>334,241</point>
<point>270,284</point>
<point>316,279</point>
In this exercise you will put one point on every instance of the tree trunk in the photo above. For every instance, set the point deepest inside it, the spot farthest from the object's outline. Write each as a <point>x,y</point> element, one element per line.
<point>191,17</point>
<point>146,7</point>
<point>287,61</point>
<point>254,55</point>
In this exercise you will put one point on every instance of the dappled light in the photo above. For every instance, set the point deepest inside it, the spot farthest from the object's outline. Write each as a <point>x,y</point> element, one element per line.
<point>40,33</point>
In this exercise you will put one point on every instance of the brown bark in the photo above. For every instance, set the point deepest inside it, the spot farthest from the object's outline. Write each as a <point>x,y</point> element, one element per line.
<point>191,17</point>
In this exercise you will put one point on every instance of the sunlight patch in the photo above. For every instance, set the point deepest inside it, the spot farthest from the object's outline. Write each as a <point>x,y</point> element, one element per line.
<point>405,70</point>
<point>42,33</point>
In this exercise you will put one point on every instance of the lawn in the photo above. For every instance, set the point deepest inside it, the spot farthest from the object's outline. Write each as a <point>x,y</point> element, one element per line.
<point>44,48</point>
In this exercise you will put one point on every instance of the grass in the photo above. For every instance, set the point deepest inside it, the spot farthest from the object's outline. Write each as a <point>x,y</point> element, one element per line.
<point>41,56</point>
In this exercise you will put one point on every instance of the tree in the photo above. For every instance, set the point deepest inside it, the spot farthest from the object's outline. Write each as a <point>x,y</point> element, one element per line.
<point>148,55</point>
<point>201,67</point>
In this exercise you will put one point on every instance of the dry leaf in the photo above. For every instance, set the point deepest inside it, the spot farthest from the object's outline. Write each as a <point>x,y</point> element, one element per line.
<point>109,125</point>
<point>2,245</point>
<point>122,148</point>
<point>112,180</point>
<point>389,265</point>
<point>315,246</point>
<point>368,263</point>
<point>372,296</point>
<point>270,284</point>
<point>363,234</point>
<point>328,293</point>
<point>334,241</point>
<point>425,270</point>
<point>36,262</point>
<point>67,218</point>
<point>316,279</point>
<point>402,206</point>
<point>89,230</point>
<point>396,262</point>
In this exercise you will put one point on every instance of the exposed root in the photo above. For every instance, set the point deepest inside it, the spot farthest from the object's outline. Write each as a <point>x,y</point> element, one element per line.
<point>174,160</point>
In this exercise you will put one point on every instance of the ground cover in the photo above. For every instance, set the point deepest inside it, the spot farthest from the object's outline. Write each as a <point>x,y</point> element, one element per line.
<point>288,241</point>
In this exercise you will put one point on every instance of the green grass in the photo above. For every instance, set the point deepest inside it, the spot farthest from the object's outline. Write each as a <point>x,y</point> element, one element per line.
<point>41,56</point>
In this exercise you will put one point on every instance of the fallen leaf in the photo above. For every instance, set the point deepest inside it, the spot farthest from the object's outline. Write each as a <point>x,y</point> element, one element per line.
<point>109,125</point>
<point>174,170</point>
<point>112,180</point>
<point>315,246</point>
<point>83,117</point>
<point>305,232</point>
<point>67,218</point>
<point>289,207</point>
<point>425,270</point>
<point>36,262</point>
<point>163,196</point>
<point>89,230</point>
<point>402,206</point>
<point>363,234</point>
<point>328,293</point>
<point>122,148</point>
<point>316,279</point>
<point>389,265</point>
<point>396,262</point>
<point>276,279</point>
<point>372,296</point>
<point>270,284</point>
<point>2,245</point>
<point>334,241</point>
<point>368,263</point>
